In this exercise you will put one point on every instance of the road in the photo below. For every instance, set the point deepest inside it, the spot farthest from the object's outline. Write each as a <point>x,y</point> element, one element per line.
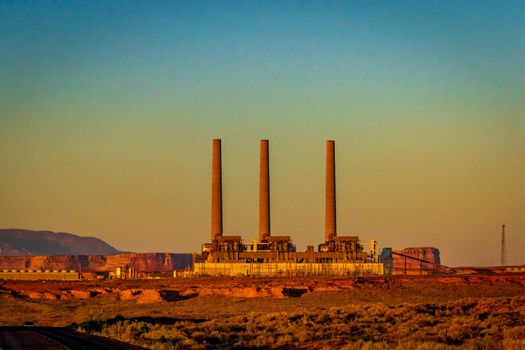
<point>51,338</point>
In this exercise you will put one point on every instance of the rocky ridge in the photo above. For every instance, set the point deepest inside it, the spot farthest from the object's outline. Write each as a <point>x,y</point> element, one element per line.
<point>19,242</point>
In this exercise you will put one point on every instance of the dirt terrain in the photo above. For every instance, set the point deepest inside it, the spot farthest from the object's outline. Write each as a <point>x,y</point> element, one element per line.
<point>175,302</point>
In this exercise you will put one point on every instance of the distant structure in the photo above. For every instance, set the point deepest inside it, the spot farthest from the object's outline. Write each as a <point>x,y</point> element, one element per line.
<point>330,225</point>
<point>40,275</point>
<point>503,261</point>
<point>216,192</point>
<point>273,255</point>
<point>333,242</point>
<point>264,192</point>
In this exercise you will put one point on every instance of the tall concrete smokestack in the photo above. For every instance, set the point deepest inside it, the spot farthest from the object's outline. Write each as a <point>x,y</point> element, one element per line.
<point>216,191</point>
<point>330,227</point>
<point>264,192</point>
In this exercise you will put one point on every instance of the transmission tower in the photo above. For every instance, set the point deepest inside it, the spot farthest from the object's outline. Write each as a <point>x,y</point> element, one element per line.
<point>503,247</point>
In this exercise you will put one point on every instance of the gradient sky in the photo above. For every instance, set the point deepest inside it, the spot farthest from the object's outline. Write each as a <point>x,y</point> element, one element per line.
<point>108,109</point>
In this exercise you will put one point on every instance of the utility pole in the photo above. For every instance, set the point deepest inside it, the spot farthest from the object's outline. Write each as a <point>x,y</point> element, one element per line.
<point>503,247</point>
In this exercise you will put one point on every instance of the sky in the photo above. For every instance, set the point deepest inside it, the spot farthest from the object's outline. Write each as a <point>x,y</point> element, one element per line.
<point>108,110</point>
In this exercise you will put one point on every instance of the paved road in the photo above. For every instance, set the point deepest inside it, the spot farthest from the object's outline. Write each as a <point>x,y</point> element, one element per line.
<point>51,338</point>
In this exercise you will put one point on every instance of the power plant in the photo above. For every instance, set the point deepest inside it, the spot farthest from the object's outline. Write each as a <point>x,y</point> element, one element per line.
<point>277,255</point>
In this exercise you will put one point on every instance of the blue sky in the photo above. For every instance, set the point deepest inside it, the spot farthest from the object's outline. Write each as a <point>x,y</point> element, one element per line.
<point>107,111</point>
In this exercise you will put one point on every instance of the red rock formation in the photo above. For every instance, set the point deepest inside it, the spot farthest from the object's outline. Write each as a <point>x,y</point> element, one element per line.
<point>142,262</point>
<point>429,254</point>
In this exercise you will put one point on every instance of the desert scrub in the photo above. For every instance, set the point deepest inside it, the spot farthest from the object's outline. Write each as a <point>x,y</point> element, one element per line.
<point>455,325</point>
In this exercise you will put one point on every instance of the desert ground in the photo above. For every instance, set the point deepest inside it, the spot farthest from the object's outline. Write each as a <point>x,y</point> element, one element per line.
<point>402,312</point>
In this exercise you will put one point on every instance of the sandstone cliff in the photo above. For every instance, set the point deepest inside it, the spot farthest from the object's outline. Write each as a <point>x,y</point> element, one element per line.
<point>142,262</point>
<point>425,253</point>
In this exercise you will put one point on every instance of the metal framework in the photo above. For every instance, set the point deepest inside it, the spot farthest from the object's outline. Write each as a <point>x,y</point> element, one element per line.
<point>503,261</point>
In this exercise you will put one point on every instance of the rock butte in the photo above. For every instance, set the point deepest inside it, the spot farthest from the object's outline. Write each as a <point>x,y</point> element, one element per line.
<point>142,262</point>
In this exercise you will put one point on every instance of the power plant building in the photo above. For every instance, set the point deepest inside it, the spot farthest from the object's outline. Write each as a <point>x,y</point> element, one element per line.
<point>272,255</point>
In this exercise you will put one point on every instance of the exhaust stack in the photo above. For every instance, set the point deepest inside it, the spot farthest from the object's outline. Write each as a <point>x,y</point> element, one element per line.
<point>216,191</point>
<point>264,192</point>
<point>330,227</point>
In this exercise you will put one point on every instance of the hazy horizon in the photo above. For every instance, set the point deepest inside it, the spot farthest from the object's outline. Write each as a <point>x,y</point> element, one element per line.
<point>108,109</point>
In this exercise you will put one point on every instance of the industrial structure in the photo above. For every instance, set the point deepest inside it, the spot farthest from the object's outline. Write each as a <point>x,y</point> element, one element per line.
<point>503,259</point>
<point>272,255</point>
<point>35,275</point>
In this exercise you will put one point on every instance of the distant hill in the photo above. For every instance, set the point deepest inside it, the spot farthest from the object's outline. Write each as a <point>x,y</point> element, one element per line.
<point>16,242</point>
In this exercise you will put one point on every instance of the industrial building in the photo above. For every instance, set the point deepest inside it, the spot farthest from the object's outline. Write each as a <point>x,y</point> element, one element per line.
<point>277,255</point>
<point>36,275</point>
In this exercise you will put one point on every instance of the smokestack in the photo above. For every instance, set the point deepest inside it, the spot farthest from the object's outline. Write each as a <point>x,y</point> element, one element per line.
<point>330,228</point>
<point>264,192</point>
<point>216,191</point>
